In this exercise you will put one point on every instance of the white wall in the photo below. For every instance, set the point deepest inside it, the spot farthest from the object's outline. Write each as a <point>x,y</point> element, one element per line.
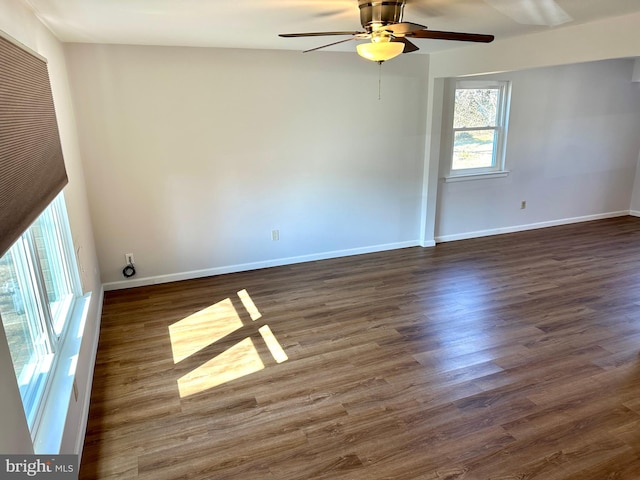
<point>19,22</point>
<point>14,436</point>
<point>611,38</point>
<point>616,37</point>
<point>635,197</point>
<point>572,150</point>
<point>194,155</point>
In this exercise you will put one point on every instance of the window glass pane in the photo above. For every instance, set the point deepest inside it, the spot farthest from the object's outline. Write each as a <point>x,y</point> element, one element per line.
<point>47,235</point>
<point>476,107</point>
<point>23,324</point>
<point>474,149</point>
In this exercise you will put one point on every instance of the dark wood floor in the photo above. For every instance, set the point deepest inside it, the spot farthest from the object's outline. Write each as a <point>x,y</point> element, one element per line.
<point>508,357</point>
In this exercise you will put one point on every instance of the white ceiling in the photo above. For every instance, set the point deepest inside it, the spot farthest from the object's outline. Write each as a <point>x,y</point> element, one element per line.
<point>256,23</point>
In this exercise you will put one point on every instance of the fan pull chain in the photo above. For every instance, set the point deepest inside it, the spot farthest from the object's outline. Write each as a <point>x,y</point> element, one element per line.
<point>379,80</point>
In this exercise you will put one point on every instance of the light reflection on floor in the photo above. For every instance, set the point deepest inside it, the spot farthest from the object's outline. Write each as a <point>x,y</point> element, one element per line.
<point>235,362</point>
<point>272,343</point>
<point>210,325</point>
<point>249,305</point>
<point>203,328</point>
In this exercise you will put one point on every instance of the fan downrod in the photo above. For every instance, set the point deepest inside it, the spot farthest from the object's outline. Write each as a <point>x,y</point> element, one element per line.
<point>379,13</point>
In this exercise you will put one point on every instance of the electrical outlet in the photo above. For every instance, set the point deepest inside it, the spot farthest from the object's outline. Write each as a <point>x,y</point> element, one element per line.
<point>128,258</point>
<point>523,204</point>
<point>275,235</point>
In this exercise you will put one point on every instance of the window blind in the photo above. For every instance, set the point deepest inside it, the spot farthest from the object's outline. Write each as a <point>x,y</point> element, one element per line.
<point>32,168</point>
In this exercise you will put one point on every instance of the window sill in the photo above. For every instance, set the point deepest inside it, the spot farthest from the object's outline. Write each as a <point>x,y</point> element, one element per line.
<point>49,431</point>
<point>476,176</point>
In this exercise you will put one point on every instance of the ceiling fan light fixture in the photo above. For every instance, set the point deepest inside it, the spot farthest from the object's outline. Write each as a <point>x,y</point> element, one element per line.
<point>380,51</point>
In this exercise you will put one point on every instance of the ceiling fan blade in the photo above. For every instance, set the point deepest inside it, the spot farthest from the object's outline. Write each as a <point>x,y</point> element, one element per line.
<point>408,46</point>
<point>532,12</point>
<point>317,34</point>
<point>317,8</point>
<point>403,28</point>
<point>329,13</point>
<point>426,10</point>
<point>329,45</point>
<point>461,37</point>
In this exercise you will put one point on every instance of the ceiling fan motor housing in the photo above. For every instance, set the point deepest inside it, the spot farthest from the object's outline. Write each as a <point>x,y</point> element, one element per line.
<point>375,13</point>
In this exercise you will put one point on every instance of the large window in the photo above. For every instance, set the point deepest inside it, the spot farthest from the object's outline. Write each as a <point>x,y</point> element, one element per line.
<point>38,286</point>
<point>480,116</point>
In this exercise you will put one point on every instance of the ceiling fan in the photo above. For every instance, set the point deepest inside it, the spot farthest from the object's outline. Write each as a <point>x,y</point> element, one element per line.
<point>383,25</point>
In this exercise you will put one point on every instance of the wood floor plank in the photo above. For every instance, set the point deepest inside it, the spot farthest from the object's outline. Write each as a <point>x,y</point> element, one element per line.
<point>506,357</point>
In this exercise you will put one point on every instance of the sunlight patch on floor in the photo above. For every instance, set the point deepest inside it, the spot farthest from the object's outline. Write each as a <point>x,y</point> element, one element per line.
<point>249,305</point>
<point>272,344</point>
<point>235,362</point>
<point>203,328</point>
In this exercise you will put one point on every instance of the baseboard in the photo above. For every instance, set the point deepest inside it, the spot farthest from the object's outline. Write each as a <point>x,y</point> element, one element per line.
<point>531,226</point>
<point>175,277</point>
<point>82,427</point>
<point>634,213</point>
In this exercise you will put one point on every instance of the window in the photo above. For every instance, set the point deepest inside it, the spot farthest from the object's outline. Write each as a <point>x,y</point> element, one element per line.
<point>38,286</point>
<point>480,115</point>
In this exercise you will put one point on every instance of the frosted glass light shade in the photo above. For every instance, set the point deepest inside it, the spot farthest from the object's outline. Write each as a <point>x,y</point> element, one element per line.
<point>380,51</point>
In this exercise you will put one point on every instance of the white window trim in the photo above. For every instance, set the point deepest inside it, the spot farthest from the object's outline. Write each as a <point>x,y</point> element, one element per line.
<point>48,427</point>
<point>498,170</point>
<point>476,176</point>
<point>47,434</point>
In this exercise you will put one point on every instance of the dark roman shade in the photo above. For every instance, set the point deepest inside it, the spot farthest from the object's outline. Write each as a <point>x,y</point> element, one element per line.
<point>32,169</point>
